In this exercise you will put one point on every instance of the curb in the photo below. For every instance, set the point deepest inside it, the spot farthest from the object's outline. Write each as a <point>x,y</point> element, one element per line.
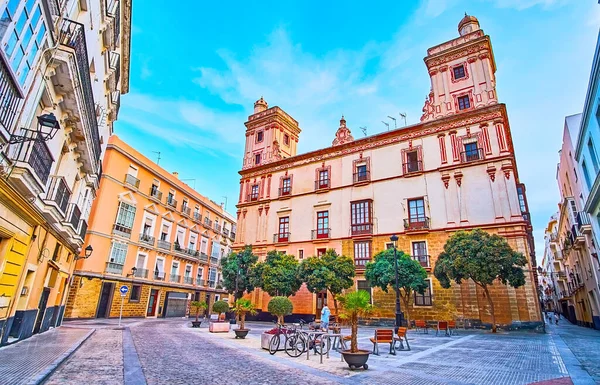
<point>44,374</point>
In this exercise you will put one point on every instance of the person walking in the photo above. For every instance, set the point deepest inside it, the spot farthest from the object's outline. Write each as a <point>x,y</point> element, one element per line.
<point>556,318</point>
<point>325,313</point>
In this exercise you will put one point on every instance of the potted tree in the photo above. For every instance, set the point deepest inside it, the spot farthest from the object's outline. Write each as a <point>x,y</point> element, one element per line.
<point>279,307</point>
<point>355,304</point>
<point>219,326</point>
<point>198,305</point>
<point>241,308</point>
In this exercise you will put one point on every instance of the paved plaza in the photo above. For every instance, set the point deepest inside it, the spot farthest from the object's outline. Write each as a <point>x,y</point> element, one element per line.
<point>159,351</point>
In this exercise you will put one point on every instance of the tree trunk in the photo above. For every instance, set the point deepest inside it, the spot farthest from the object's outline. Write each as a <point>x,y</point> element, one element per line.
<point>197,313</point>
<point>242,320</point>
<point>406,309</point>
<point>280,319</point>
<point>489,299</point>
<point>335,306</point>
<point>354,340</point>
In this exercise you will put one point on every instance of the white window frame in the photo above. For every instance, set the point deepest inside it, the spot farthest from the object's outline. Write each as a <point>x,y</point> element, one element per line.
<point>156,264</point>
<point>112,251</point>
<point>169,225</point>
<point>121,207</point>
<point>152,217</point>
<point>204,249</point>
<point>174,264</point>
<point>194,236</point>
<point>140,254</point>
<point>185,270</point>
<point>198,270</point>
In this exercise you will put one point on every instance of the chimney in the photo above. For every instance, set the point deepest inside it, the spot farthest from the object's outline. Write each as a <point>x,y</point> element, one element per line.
<point>176,174</point>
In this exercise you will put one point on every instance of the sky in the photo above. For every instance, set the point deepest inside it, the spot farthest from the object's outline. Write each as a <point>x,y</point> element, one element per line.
<point>195,76</point>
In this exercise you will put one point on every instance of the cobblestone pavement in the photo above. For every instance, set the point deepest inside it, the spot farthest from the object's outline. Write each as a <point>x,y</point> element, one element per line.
<point>28,360</point>
<point>99,361</point>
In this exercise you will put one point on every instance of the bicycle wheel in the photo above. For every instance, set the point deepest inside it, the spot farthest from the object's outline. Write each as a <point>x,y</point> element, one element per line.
<point>320,346</point>
<point>274,344</point>
<point>294,346</point>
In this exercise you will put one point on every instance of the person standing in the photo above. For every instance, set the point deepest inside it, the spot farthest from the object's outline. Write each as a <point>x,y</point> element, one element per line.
<point>325,313</point>
<point>556,318</point>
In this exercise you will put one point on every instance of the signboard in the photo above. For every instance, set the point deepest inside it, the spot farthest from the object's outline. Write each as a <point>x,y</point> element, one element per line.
<point>124,289</point>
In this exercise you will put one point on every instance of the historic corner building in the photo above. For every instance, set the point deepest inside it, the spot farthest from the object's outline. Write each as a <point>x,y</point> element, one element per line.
<point>153,233</point>
<point>454,170</point>
<point>63,68</point>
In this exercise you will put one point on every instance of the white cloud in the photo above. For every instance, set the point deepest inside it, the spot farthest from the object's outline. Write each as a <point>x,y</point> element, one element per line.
<point>524,4</point>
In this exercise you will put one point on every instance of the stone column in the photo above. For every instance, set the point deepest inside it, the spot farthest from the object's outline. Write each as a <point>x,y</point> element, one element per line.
<point>501,135</point>
<point>443,153</point>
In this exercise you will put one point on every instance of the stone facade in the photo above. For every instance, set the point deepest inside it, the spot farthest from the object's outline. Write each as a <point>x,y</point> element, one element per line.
<point>454,170</point>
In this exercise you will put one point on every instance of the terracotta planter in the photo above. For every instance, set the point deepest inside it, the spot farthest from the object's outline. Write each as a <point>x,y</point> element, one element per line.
<point>218,327</point>
<point>196,324</point>
<point>356,360</point>
<point>241,333</point>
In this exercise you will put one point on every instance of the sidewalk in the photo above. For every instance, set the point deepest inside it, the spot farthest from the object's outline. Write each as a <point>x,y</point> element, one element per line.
<point>32,360</point>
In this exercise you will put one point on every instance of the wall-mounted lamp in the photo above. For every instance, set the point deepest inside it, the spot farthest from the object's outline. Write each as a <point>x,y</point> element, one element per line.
<point>47,127</point>
<point>133,270</point>
<point>88,252</point>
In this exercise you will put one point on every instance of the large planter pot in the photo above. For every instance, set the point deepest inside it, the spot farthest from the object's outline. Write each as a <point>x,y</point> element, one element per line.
<point>218,327</point>
<point>265,340</point>
<point>196,324</point>
<point>356,360</point>
<point>241,333</point>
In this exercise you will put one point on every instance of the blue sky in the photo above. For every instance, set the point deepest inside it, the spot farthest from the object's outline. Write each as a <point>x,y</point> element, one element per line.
<point>196,74</point>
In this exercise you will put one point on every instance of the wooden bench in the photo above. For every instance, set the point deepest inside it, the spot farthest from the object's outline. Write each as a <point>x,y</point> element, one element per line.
<point>383,336</point>
<point>452,327</point>
<point>442,325</point>
<point>422,325</point>
<point>399,337</point>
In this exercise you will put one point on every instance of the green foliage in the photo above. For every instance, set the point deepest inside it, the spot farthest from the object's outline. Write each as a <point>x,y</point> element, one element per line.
<point>355,304</point>
<point>220,307</point>
<point>381,272</point>
<point>277,275</point>
<point>242,307</point>
<point>280,306</point>
<point>198,305</point>
<point>238,266</point>
<point>331,272</point>
<point>482,257</point>
<point>479,256</point>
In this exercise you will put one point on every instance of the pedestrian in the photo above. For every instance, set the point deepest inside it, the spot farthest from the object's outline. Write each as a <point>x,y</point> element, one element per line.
<point>325,313</point>
<point>556,317</point>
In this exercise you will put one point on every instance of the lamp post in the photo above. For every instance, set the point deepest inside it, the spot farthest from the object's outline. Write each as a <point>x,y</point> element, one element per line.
<point>87,253</point>
<point>399,314</point>
<point>47,127</point>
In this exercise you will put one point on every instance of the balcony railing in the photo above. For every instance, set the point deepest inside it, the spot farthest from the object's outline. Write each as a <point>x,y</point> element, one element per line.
<point>417,223</point>
<point>188,280</point>
<point>197,217</point>
<point>141,273</point>
<point>192,252</point>
<point>211,283</point>
<point>225,232</point>
<point>59,193</point>
<point>232,236</point>
<point>73,215</point>
<point>362,229</point>
<point>281,237</point>
<point>10,98</point>
<point>159,276</point>
<point>284,191</point>
<point>583,222</point>
<point>322,184</point>
<point>72,35</point>
<point>200,282</point>
<point>214,260</point>
<point>186,210</point>
<point>171,202</point>
<point>320,234</point>
<point>147,239</point>
<point>121,230</point>
<point>155,193</point>
<point>414,166</point>
<point>359,177</point>
<point>175,278</point>
<point>252,197</point>
<point>132,180</point>
<point>163,244</point>
<point>37,156</point>
<point>203,257</point>
<point>114,268</point>
<point>207,222</point>
<point>471,156</point>
<point>217,227</point>
<point>422,259</point>
<point>82,228</point>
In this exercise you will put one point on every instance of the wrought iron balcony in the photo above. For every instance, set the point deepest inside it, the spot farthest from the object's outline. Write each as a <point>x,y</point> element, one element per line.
<point>185,210</point>
<point>72,36</point>
<point>73,216</point>
<point>322,184</point>
<point>192,252</point>
<point>132,180</point>
<point>583,223</point>
<point>471,156</point>
<point>285,191</point>
<point>360,177</point>
<point>175,278</point>
<point>37,156</point>
<point>155,193</point>
<point>414,166</point>
<point>214,260</point>
<point>10,98</point>
<point>113,268</point>
<point>423,260</point>
<point>159,276</point>
<point>361,229</point>
<point>147,239</point>
<point>211,283</point>
<point>200,282</point>
<point>171,202</point>
<point>281,237</point>
<point>207,222</point>
<point>59,193</point>
<point>164,244</point>
<point>416,224</point>
<point>217,227</point>
<point>252,197</point>
<point>197,217</point>
<point>203,257</point>
<point>121,230</point>
<point>188,280</point>
<point>320,234</point>
<point>141,273</point>
<point>83,228</point>
<point>232,236</point>
<point>225,232</point>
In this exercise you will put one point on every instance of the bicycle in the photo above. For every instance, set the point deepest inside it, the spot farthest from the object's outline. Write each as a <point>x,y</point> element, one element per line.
<point>276,339</point>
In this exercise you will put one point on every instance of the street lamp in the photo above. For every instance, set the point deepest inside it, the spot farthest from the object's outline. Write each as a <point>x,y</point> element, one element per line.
<point>88,252</point>
<point>399,314</point>
<point>133,270</point>
<point>47,127</point>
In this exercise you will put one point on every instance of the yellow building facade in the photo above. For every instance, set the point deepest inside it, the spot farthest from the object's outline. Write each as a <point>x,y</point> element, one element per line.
<point>154,234</point>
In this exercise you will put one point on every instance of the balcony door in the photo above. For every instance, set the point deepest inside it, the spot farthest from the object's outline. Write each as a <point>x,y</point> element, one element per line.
<point>419,252</point>
<point>416,209</point>
<point>284,229</point>
<point>323,224</point>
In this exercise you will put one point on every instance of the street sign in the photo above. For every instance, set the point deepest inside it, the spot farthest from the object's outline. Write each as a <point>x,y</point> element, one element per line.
<point>124,289</point>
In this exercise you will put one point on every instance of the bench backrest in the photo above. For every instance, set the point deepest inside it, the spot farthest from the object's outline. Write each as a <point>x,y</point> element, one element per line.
<point>452,324</point>
<point>402,332</point>
<point>443,325</point>
<point>420,323</point>
<point>384,335</point>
